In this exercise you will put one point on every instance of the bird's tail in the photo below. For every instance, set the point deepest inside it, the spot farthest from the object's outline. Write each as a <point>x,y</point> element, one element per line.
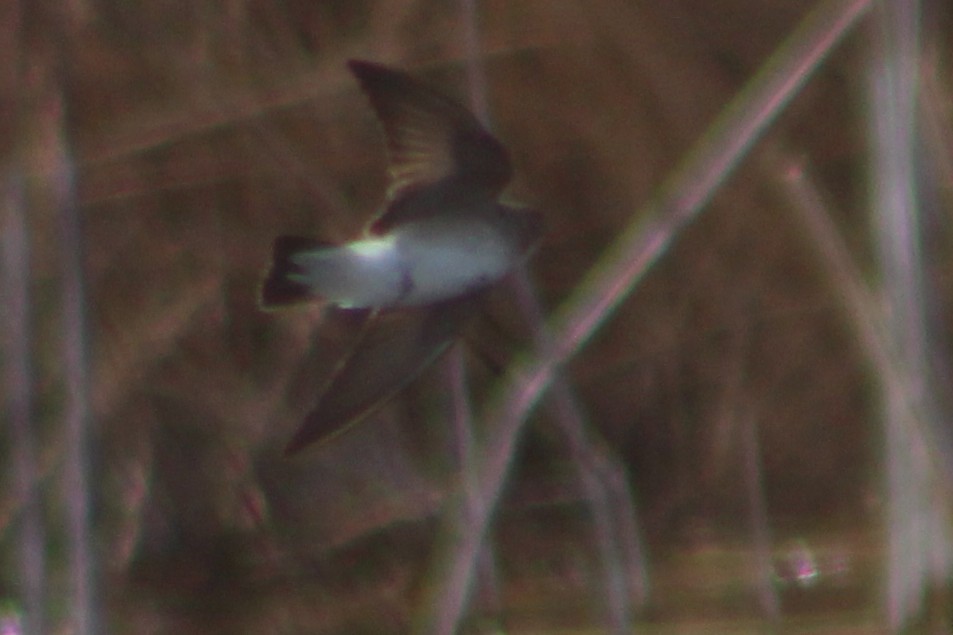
<point>287,282</point>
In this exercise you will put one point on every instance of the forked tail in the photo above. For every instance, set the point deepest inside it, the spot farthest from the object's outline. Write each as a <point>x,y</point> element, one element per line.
<point>287,282</point>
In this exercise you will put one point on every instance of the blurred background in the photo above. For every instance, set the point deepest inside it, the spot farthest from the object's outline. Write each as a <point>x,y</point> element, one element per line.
<point>754,439</point>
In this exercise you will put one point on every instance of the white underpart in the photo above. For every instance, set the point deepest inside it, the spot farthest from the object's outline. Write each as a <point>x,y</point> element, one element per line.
<point>365,273</point>
<point>418,264</point>
<point>443,265</point>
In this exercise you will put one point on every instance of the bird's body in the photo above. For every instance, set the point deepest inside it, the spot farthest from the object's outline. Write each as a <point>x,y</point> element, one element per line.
<point>416,264</point>
<point>442,237</point>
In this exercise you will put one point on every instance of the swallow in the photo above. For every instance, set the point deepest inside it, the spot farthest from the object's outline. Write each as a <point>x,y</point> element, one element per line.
<point>442,238</point>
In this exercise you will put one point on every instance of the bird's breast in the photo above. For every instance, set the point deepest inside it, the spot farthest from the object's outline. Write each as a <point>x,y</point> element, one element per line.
<point>449,262</point>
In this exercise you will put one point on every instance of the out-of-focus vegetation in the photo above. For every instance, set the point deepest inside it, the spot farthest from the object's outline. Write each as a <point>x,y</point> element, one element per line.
<point>195,132</point>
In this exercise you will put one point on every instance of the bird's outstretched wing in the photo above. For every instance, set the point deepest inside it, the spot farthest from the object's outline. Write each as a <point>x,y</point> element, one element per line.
<point>438,153</point>
<point>394,348</point>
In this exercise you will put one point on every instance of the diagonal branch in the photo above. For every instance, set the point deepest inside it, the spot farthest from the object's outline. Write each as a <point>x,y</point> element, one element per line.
<point>680,200</point>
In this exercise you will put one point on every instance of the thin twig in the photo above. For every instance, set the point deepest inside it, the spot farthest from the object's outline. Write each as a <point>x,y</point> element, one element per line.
<point>15,285</point>
<point>77,400</point>
<point>920,544</point>
<point>604,481</point>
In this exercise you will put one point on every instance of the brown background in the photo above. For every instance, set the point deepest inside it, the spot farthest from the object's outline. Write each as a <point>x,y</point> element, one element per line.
<point>198,131</point>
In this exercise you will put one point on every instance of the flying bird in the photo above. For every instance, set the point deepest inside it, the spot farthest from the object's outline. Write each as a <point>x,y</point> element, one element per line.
<point>417,273</point>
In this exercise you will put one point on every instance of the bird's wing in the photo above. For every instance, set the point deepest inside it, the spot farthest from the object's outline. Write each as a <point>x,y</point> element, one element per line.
<point>395,347</point>
<point>436,148</point>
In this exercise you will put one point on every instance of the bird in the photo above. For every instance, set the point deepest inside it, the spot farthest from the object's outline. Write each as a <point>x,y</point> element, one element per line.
<point>416,275</point>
